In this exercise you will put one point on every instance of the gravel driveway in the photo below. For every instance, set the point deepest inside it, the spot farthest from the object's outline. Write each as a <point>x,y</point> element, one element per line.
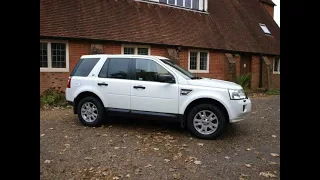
<point>140,149</point>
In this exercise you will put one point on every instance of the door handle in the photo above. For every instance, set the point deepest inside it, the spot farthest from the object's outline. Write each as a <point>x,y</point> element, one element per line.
<point>102,84</point>
<point>139,87</point>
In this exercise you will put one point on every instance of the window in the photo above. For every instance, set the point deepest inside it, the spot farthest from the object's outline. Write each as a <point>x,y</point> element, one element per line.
<point>189,4</point>
<point>54,56</point>
<point>84,67</point>
<point>198,61</point>
<point>118,68</point>
<point>265,29</point>
<point>276,65</point>
<point>148,70</point>
<point>132,49</point>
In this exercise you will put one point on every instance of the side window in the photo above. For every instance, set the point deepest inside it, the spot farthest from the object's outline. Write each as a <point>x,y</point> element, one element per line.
<point>118,68</point>
<point>148,70</point>
<point>104,70</point>
<point>84,66</point>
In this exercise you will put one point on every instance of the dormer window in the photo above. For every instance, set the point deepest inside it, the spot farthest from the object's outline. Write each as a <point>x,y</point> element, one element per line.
<point>265,29</point>
<point>199,5</point>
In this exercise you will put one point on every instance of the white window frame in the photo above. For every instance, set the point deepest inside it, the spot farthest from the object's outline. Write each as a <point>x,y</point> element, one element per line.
<point>135,48</point>
<point>203,4</point>
<point>265,29</point>
<point>198,61</point>
<point>49,68</point>
<point>276,72</point>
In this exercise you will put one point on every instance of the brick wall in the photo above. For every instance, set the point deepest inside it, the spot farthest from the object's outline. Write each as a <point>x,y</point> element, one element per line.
<point>255,72</point>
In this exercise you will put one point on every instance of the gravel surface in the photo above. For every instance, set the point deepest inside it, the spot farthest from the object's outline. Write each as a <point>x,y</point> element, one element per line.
<point>142,149</point>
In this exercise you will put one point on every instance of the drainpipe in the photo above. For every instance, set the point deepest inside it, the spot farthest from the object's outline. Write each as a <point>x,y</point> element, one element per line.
<point>260,77</point>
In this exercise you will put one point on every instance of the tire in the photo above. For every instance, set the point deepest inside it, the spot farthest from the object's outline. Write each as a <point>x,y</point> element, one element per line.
<point>218,121</point>
<point>97,112</point>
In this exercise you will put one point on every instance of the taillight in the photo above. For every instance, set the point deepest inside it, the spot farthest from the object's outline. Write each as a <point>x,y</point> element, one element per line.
<point>69,82</point>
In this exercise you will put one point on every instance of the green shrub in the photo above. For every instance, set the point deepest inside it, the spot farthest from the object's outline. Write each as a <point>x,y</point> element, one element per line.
<point>273,92</point>
<point>52,97</point>
<point>244,81</point>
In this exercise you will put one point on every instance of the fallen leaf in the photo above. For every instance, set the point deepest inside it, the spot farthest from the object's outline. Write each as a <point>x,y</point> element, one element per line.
<point>91,169</point>
<point>197,162</point>
<point>177,176</point>
<point>65,136</point>
<point>156,149</point>
<point>200,144</point>
<point>247,165</point>
<point>42,135</point>
<point>274,136</point>
<point>274,154</point>
<point>115,178</point>
<point>138,171</point>
<point>51,128</point>
<point>267,174</point>
<point>227,157</point>
<point>94,148</point>
<point>125,135</point>
<point>166,160</point>
<point>184,145</point>
<point>128,175</point>
<point>172,169</point>
<point>248,149</point>
<point>271,162</point>
<point>104,134</point>
<point>88,158</point>
<point>47,161</point>
<point>149,165</point>
<point>116,147</point>
<point>104,173</point>
<point>67,145</point>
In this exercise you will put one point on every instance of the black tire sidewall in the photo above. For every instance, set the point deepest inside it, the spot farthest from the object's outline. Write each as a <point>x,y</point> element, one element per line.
<point>99,106</point>
<point>221,119</point>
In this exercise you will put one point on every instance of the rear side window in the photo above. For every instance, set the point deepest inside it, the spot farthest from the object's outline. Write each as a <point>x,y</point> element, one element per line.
<point>84,66</point>
<point>118,68</point>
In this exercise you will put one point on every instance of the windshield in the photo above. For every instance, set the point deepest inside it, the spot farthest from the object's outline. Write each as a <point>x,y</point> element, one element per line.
<point>180,69</point>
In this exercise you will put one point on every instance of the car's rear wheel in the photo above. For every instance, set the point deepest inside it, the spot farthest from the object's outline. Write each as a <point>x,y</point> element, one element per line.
<point>206,121</point>
<point>90,111</point>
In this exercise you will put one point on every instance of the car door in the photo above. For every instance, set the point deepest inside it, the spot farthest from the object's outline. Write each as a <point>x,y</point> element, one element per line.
<point>113,83</point>
<point>147,93</point>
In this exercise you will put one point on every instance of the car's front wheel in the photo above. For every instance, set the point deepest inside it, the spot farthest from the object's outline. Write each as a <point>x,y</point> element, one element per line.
<point>90,111</point>
<point>206,121</point>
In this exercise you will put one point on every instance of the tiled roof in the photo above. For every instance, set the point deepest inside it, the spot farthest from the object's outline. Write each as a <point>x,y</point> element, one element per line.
<point>228,25</point>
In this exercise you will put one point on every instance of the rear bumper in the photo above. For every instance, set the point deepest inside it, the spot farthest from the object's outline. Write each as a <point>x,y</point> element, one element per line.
<point>240,109</point>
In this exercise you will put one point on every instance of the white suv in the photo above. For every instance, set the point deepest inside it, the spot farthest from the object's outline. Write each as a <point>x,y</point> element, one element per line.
<point>153,87</point>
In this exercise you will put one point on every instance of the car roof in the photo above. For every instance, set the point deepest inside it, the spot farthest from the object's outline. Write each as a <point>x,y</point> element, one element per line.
<point>121,55</point>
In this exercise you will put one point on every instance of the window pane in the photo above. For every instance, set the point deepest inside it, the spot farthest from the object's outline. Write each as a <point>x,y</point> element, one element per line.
<point>188,4</point>
<point>180,2</point>
<point>203,60</point>
<point>171,2</point>
<point>84,66</point>
<point>128,50</point>
<point>143,51</point>
<point>43,55</point>
<point>147,70</point>
<point>58,55</point>
<point>195,4</point>
<point>276,65</point>
<point>193,60</point>
<point>163,1</point>
<point>104,70</point>
<point>118,68</point>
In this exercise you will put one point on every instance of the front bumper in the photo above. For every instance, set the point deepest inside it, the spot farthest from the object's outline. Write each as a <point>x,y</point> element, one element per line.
<point>239,109</point>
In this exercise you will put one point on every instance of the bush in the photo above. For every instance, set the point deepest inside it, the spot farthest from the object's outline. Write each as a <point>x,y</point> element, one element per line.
<point>52,97</point>
<point>244,81</point>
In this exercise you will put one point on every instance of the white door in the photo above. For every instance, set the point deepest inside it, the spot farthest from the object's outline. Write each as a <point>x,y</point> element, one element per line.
<point>113,83</point>
<point>147,94</point>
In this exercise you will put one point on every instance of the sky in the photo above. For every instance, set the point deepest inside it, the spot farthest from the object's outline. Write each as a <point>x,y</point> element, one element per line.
<point>277,11</point>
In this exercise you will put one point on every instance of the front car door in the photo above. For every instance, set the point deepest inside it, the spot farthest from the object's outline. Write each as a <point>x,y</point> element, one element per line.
<point>147,93</point>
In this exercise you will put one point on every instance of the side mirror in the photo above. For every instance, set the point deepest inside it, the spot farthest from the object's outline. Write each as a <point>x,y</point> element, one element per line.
<point>166,78</point>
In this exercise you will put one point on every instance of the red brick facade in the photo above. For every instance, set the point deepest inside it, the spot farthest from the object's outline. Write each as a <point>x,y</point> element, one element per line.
<point>218,64</point>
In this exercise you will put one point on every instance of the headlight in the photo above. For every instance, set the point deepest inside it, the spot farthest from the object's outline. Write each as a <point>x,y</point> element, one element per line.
<point>236,94</point>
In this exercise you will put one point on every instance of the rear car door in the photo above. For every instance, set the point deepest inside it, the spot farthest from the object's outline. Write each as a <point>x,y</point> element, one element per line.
<point>113,83</point>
